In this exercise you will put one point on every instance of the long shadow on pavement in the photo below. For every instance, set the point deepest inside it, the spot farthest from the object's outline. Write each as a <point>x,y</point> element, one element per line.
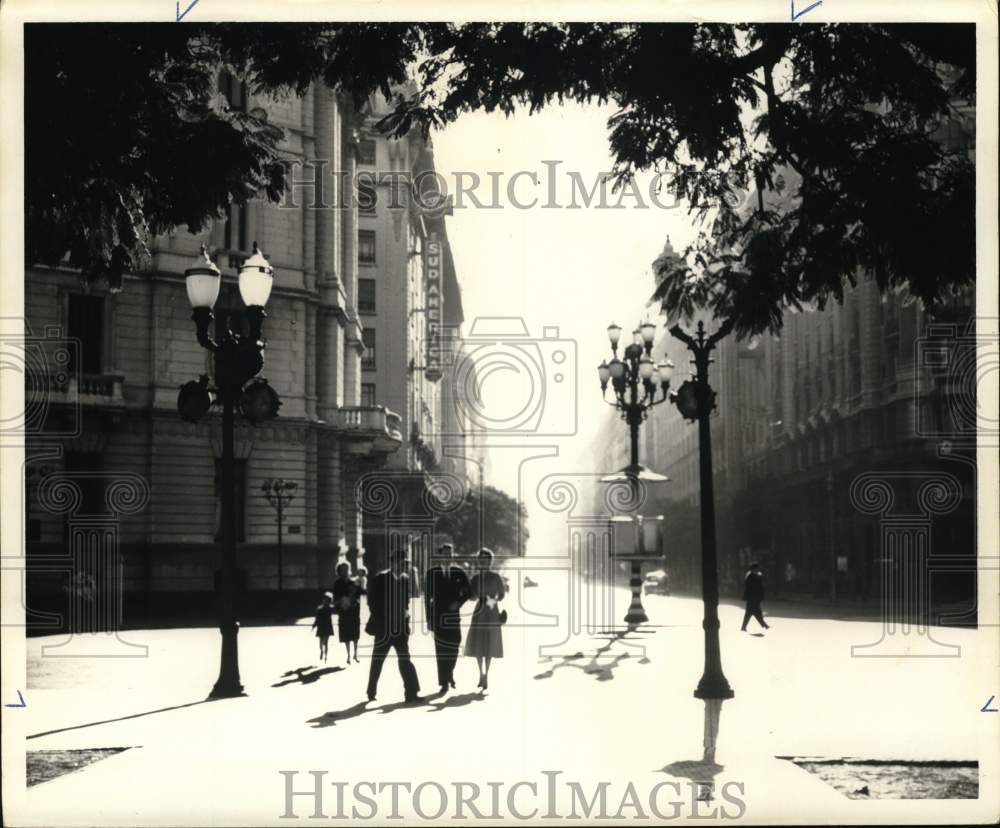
<point>119,718</point>
<point>301,676</point>
<point>456,701</point>
<point>336,716</point>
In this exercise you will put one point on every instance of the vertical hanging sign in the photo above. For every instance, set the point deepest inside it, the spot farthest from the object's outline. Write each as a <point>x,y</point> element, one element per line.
<point>433,302</point>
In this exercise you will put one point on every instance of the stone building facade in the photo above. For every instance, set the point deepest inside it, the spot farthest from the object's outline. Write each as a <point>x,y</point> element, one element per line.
<point>111,412</point>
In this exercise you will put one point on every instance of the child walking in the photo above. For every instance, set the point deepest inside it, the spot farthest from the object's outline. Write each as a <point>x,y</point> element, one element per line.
<point>323,624</point>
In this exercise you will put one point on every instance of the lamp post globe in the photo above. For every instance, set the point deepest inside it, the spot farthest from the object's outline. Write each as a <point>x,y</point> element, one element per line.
<point>203,281</point>
<point>256,280</point>
<point>614,334</point>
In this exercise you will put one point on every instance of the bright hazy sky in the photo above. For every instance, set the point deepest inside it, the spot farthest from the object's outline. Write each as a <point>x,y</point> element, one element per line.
<point>575,269</point>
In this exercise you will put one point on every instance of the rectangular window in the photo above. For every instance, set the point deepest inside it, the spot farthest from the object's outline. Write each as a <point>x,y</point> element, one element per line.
<point>239,499</point>
<point>235,232</point>
<point>368,338</point>
<point>366,246</point>
<point>366,151</point>
<point>85,330</point>
<point>368,394</point>
<point>366,296</point>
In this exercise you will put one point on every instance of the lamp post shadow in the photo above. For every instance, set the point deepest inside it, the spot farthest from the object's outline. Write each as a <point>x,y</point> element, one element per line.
<point>704,771</point>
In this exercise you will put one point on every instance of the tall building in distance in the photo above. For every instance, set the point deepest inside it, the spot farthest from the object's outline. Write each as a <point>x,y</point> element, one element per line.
<point>410,309</point>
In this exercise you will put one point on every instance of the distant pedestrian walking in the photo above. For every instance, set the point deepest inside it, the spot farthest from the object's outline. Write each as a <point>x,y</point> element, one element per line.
<point>753,594</point>
<point>323,623</point>
<point>485,639</point>
<point>389,603</point>
<point>446,589</point>
<point>347,605</point>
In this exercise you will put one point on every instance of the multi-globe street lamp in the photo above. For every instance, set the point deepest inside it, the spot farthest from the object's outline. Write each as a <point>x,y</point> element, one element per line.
<point>636,380</point>
<point>695,400</point>
<point>238,361</point>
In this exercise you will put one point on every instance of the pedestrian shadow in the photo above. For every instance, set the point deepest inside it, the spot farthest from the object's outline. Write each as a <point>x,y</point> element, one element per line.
<point>336,716</point>
<point>300,676</point>
<point>333,717</point>
<point>456,701</point>
<point>757,635</point>
<point>597,665</point>
<point>423,701</point>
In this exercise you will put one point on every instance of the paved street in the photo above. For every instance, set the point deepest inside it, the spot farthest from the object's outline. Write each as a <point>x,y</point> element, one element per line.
<point>595,707</point>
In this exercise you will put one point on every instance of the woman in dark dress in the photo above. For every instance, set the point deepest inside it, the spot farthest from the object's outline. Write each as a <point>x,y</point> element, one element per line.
<point>485,639</point>
<point>323,623</point>
<point>346,597</point>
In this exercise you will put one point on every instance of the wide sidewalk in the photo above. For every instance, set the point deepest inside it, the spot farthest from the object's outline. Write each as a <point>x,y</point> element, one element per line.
<point>596,708</point>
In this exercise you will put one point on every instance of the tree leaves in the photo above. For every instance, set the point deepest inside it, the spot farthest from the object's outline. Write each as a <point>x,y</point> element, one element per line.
<point>126,137</point>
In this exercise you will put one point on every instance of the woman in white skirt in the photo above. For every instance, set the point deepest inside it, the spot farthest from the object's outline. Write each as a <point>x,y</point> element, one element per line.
<point>485,639</point>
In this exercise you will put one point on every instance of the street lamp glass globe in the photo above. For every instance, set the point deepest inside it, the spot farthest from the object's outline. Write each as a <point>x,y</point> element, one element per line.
<point>666,370</point>
<point>203,280</point>
<point>646,367</point>
<point>616,368</point>
<point>614,333</point>
<point>648,331</point>
<point>256,279</point>
<point>603,372</point>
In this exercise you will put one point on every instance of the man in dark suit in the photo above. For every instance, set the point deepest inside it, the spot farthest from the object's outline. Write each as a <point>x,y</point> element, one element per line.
<point>753,594</point>
<point>389,602</point>
<point>446,589</point>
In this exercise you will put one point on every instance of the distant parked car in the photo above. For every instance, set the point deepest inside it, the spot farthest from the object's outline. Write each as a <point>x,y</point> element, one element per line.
<point>656,583</point>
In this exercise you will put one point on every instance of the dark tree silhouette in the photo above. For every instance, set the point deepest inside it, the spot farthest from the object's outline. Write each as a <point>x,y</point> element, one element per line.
<point>487,517</point>
<point>126,136</point>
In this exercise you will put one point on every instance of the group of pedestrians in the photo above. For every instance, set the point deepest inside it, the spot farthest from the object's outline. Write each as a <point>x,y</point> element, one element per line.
<point>447,588</point>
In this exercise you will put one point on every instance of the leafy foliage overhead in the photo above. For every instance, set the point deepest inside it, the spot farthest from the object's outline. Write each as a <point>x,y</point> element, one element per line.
<point>850,115</point>
<point>487,517</point>
<point>127,136</point>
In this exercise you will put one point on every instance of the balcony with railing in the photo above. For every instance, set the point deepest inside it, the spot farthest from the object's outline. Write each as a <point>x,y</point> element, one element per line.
<point>104,390</point>
<point>370,428</point>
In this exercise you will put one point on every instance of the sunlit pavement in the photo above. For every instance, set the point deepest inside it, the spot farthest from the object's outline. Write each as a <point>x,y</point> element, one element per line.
<point>593,706</point>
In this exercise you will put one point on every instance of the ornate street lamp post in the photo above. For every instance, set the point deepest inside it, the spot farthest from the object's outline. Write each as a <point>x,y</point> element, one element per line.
<point>695,400</point>
<point>635,381</point>
<point>279,493</point>
<point>239,358</point>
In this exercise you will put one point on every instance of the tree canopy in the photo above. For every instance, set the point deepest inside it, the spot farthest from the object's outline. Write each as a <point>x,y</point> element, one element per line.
<point>487,517</point>
<point>127,137</point>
